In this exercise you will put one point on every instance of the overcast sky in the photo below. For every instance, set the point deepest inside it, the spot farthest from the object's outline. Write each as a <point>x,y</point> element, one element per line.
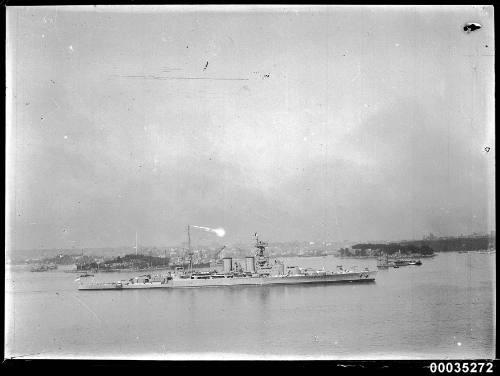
<point>310,123</point>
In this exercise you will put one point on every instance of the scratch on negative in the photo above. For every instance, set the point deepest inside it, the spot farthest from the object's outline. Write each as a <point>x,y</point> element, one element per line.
<point>86,306</point>
<point>185,78</point>
<point>22,356</point>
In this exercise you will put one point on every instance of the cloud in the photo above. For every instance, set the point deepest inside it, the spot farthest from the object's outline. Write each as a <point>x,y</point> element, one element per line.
<point>348,138</point>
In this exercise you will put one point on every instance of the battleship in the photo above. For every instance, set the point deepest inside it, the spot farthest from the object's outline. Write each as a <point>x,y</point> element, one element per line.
<point>259,270</point>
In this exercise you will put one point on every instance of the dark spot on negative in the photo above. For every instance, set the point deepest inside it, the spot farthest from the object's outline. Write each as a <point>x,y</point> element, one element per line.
<point>471,26</point>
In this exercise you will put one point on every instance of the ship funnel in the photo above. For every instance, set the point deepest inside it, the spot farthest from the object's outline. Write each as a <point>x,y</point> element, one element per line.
<point>228,264</point>
<point>250,264</point>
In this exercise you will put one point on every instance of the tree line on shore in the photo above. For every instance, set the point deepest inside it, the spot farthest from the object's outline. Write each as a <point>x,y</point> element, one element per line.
<point>476,243</point>
<point>367,249</point>
<point>131,261</point>
<point>422,247</point>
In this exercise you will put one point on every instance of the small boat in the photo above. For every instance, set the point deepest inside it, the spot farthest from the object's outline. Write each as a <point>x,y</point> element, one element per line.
<point>401,262</point>
<point>83,276</point>
<point>39,268</point>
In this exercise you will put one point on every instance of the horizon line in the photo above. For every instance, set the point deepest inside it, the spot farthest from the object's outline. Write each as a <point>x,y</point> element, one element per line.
<point>322,242</point>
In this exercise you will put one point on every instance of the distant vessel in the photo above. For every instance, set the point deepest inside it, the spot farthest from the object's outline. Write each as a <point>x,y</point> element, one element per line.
<point>384,262</point>
<point>83,276</point>
<point>39,268</point>
<point>397,260</point>
<point>43,267</point>
<point>420,255</point>
<point>413,262</point>
<point>404,262</point>
<point>259,271</point>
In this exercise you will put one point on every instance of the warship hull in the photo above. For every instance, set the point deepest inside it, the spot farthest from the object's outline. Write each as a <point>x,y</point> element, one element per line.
<point>367,276</point>
<point>280,280</point>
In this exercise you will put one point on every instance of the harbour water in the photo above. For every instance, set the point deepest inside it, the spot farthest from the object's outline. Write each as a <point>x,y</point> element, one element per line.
<point>444,308</point>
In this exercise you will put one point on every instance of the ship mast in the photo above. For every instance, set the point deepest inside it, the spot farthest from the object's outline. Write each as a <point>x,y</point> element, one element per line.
<point>136,243</point>
<point>261,247</point>
<point>189,251</point>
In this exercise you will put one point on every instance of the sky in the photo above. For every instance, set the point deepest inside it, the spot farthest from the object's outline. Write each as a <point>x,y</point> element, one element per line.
<point>298,123</point>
